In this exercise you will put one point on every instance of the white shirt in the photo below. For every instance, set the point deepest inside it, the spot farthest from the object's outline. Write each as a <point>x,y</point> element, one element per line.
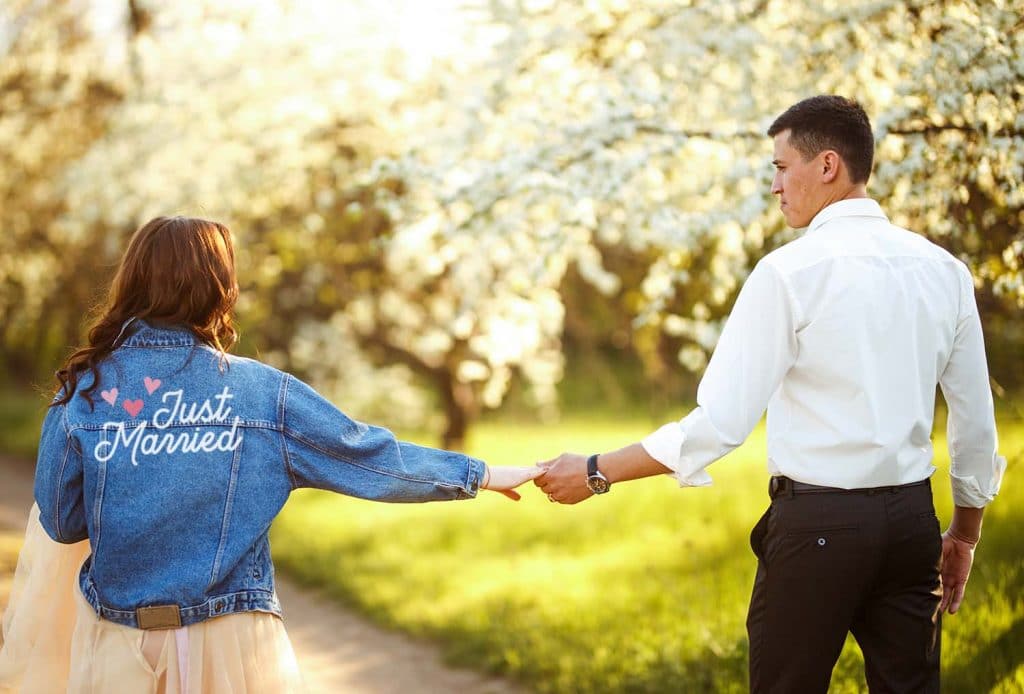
<point>843,334</point>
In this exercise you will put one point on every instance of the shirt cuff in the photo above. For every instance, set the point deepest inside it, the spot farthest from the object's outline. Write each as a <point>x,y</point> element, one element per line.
<point>666,446</point>
<point>968,492</point>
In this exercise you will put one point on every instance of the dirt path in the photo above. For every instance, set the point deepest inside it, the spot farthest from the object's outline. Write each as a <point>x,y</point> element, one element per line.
<point>337,650</point>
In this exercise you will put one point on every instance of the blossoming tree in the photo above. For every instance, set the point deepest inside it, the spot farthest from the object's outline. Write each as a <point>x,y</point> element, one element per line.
<point>607,125</point>
<point>411,222</point>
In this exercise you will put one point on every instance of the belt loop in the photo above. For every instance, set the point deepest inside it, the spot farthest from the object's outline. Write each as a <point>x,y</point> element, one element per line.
<point>779,485</point>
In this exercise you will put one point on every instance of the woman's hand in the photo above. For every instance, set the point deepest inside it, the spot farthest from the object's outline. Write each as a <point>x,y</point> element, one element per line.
<point>506,479</point>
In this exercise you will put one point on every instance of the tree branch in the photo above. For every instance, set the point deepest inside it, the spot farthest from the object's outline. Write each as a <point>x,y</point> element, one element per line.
<point>932,128</point>
<point>562,164</point>
<point>393,353</point>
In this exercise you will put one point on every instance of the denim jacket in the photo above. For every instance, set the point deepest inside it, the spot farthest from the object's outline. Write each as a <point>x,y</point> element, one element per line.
<point>177,469</point>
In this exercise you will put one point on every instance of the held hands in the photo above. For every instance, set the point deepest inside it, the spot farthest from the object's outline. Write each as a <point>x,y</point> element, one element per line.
<point>505,479</point>
<point>564,479</point>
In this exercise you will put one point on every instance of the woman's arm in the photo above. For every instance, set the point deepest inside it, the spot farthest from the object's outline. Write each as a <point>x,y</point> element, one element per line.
<point>58,483</point>
<point>325,449</point>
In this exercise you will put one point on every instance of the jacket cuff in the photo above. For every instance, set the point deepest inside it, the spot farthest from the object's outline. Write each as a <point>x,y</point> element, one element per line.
<point>474,476</point>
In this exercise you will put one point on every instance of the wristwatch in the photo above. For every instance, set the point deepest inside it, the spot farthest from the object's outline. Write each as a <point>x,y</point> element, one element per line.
<point>596,482</point>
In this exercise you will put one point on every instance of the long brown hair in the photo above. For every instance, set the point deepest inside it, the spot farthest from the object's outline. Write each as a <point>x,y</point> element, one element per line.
<point>176,270</point>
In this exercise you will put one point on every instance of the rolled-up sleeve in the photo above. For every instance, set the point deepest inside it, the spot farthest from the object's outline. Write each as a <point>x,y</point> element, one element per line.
<point>757,347</point>
<point>58,482</point>
<point>325,449</point>
<point>976,468</point>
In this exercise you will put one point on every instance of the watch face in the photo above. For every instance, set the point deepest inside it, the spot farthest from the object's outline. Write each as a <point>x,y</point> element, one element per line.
<point>598,484</point>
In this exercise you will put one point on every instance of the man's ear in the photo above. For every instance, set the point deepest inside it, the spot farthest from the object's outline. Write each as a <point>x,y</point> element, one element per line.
<point>830,163</point>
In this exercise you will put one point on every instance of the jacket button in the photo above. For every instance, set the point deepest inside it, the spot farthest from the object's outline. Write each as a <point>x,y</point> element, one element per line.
<point>821,542</point>
<point>218,606</point>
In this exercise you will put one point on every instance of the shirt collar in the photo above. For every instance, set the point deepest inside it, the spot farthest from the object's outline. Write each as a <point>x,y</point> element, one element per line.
<point>854,207</point>
<point>143,334</point>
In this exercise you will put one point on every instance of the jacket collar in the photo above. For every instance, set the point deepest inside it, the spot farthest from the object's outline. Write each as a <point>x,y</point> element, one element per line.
<point>854,207</point>
<point>144,334</point>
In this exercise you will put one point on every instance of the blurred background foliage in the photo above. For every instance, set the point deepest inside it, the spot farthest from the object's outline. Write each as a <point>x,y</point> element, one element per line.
<point>443,208</point>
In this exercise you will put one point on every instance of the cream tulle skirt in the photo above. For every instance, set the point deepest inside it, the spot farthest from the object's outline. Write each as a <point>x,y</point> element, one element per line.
<point>54,642</point>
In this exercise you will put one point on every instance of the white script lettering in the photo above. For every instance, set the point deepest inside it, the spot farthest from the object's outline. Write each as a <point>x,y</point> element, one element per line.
<point>143,440</point>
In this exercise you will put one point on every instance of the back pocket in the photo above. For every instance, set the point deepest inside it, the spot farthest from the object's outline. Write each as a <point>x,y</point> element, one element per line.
<point>831,544</point>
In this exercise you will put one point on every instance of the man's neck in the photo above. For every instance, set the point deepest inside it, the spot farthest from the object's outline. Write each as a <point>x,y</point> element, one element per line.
<point>851,192</point>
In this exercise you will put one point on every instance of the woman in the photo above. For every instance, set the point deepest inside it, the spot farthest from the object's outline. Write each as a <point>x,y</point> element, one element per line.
<point>172,458</point>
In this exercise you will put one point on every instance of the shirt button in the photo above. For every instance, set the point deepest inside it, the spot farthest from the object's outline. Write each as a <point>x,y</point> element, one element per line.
<point>821,542</point>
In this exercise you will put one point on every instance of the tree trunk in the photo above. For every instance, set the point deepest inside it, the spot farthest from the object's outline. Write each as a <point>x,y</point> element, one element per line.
<point>454,436</point>
<point>460,401</point>
<point>460,409</point>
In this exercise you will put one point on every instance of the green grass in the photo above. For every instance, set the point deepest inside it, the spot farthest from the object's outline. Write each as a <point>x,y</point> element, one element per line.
<point>644,590</point>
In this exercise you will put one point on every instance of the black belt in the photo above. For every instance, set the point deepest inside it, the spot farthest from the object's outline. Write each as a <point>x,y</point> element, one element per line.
<point>777,486</point>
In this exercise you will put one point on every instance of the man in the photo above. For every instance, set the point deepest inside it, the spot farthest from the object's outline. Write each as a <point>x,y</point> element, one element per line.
<point>843,334</point>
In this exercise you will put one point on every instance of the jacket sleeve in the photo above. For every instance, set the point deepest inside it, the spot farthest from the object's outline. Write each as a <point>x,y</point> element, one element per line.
<point>58,482</point>
<point>325,449</point>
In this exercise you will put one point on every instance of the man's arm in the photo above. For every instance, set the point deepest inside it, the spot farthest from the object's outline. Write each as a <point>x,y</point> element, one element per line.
<point>757,347</point>
<point>976,469</point>
<point>59,481</point>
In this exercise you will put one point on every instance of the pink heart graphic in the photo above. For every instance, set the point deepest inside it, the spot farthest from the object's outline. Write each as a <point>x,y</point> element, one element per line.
<point>109,395</point>
<point>151,384</point>
<point>132,407</point>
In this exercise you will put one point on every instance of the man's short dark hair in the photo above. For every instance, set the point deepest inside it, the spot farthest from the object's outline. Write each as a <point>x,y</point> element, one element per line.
<point>830,122</point>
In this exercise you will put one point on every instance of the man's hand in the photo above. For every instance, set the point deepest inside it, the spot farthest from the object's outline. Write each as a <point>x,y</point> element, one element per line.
<point>958,554</point>
<point>504,480</point>
<point>564,479</point>
<point>957,557</point>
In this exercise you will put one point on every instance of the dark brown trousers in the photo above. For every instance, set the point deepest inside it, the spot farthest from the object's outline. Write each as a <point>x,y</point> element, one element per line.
<point>833,562</point>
